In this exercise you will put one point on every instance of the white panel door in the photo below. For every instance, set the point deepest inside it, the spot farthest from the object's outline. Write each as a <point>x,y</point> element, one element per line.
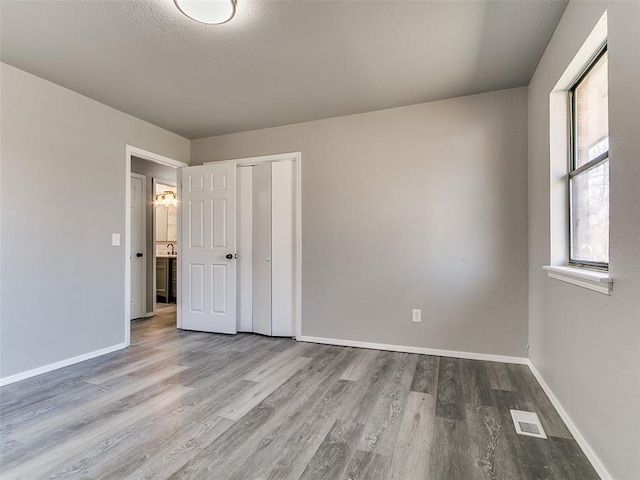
<point>136,253</point>
<point>208,265</point>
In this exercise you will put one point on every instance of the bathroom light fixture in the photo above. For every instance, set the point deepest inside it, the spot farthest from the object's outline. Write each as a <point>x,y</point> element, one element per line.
<point>166,199</point>
<point>211,12</point>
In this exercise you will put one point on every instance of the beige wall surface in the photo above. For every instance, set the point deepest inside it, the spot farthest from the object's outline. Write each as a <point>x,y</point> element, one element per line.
<point>585,344</point>
<point>63,195</point>
<point>415,207</point>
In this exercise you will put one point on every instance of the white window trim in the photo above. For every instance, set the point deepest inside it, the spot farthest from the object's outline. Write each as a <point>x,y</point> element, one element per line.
<point>594,280</point>
<point>599,281</point>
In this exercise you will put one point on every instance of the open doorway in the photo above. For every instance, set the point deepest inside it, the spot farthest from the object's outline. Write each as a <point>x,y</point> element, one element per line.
<point>166,241</point>
<point>151,273</point>
<point>159,257</point>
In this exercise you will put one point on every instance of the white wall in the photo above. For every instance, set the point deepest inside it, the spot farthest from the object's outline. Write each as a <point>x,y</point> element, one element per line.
<point>63,195</point>
<point>585,344</point>
<point>415,207</point>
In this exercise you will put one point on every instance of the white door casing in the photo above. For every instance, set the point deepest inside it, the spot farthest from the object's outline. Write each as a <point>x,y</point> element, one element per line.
<point>137,245</point>
<point>208,236</point>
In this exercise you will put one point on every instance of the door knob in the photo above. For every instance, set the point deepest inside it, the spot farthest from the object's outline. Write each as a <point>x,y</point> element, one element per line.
<point>229,256</point>
<point>138,254</point>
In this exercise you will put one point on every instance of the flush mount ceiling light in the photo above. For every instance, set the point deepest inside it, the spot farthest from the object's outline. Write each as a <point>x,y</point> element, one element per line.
<point>211,12</point>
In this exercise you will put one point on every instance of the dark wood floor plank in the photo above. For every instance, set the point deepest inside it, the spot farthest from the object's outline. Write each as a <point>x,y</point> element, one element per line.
<point>450,459</point>
<point>413,449</point>
<point>383,423</point>
<point>334,453</point>
<point>491,458</point>
<point>476,383</point>
<point>367,466</point>
<point>499,376</point>
<point>425,379</point>
<point>360,365</point>
<point>450,399</point>
<point>370,386</point>
<point>291,448</point>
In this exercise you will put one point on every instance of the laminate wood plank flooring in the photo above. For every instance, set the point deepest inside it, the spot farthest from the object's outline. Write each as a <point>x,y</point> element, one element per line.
<point>195,405</point>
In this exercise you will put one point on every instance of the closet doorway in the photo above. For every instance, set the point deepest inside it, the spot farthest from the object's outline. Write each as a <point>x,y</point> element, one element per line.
<point>240,249</point>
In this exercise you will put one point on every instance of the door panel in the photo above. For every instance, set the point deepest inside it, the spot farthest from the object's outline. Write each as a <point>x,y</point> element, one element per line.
<point>262,248</point>
<point>196,224</point>
<point>196,288</point>
<point>245,249</point>
<point>282,250</point>
<point>219,223</point>
<point>209,228</point>
<point>137,246</point>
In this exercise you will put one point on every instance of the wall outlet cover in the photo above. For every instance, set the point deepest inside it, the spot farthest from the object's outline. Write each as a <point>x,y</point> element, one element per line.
<point>416,316</point>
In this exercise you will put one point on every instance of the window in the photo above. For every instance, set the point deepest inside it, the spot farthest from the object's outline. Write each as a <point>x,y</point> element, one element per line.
<point>589,167</point>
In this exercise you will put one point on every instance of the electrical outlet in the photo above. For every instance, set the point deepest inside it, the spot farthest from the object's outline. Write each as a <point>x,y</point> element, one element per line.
<point>417,315</point>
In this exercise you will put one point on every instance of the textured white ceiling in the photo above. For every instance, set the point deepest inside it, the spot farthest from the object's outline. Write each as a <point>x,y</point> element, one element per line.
<point>277,62</point>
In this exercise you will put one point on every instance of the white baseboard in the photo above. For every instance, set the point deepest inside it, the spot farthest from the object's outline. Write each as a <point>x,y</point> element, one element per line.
<point>573,428</point>
<point>62,363</point>
<point>421,350</point>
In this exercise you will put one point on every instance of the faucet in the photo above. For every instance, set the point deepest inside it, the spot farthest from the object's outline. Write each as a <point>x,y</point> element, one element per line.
<point>173,252</point>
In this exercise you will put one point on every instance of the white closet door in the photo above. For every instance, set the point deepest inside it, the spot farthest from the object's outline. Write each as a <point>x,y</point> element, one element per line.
<point>208,228</point>
<point>245,249</point>
<point>282,249</point>
<point>262,248</point>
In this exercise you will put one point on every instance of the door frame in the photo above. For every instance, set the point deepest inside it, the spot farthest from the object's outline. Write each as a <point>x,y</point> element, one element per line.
<point>297,158</point>
<point>154,182</point>
<point>144,240</point>
<point>131,151</point>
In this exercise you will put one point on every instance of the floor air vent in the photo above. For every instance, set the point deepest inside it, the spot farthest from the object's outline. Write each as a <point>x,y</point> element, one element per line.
<point>527,423</point>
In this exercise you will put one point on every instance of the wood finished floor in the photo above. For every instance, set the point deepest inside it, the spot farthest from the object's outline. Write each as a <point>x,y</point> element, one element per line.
<point>202,406</point>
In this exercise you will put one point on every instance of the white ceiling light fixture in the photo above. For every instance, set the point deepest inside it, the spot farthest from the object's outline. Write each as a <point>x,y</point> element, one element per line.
<point>210,12</point>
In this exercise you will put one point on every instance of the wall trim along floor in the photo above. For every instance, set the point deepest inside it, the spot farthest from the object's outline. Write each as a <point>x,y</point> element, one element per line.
<point>421,350</point>
<point>573,428</point>
<point>57,365</point>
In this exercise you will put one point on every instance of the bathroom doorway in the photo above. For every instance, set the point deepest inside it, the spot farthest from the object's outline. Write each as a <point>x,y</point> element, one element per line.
<point>160,258</point>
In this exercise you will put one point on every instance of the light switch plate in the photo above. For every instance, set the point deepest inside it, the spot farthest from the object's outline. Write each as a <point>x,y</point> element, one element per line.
<point>115,240</point>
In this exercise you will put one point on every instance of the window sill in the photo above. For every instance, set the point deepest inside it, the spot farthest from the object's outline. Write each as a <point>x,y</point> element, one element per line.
<point>591,279</point>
